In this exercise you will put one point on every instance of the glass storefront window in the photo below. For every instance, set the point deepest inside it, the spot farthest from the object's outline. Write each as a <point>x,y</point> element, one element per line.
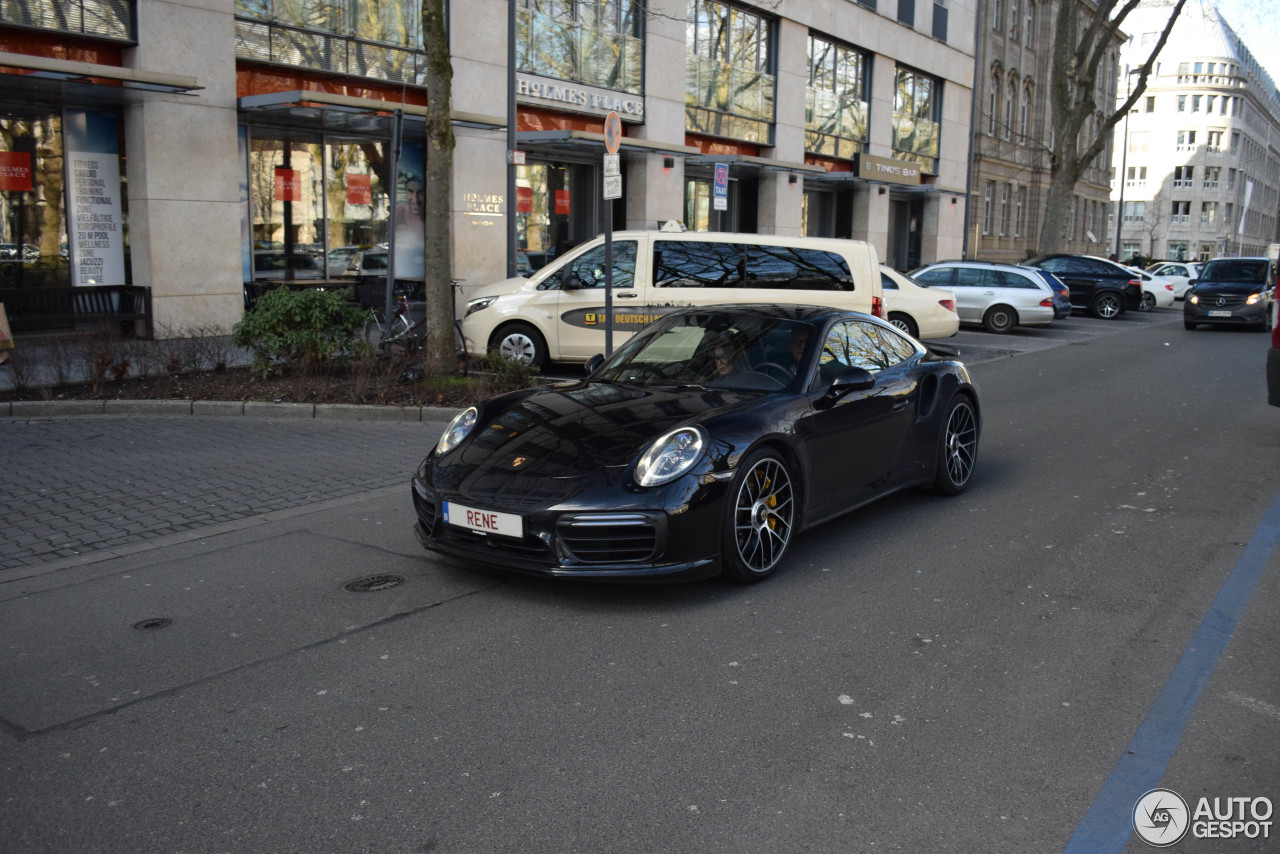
<point>697,204</point>
<point>836,105</point>
<point>544,211</point>
<point>587,41</point>
<point>917,108</point>
<point>112,19</point>
<point>33,226</point>
<point>729,85</point>
<point>397,23</point>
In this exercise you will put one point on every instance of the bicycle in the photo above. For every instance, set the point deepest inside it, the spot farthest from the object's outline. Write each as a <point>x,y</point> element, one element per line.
<point>405,333</point>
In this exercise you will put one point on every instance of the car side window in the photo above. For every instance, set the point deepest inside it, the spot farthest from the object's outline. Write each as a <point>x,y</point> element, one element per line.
<point>1090,267</point>
<point>861,344</point>
<point>690,264</point>
<point>589,267</point>
<point>940,276</point>
<point>972,277</point>
<point>887,283</point>
<point>1016,280</point>
<point>1055,265</point>
<point>794,268</point>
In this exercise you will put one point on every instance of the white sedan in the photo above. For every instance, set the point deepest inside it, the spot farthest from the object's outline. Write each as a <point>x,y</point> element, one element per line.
<point>920,310</point>
<point>1157,292</point>
<point>1179,273</point>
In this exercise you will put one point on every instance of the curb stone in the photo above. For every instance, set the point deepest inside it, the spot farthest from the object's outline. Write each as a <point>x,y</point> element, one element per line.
<point>257,409</point>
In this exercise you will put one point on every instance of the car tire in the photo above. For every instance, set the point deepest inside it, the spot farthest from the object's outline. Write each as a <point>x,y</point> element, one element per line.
<point>957,447</point>
<point>1000,319</point>
<point>760,516</point>
<point>1148,302</point>
<point>1107,305</point>
<point>522,342</point>
<point>905,323</point>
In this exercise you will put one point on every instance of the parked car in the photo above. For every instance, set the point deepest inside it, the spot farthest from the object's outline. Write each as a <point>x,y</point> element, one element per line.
<point>1181,274</point>
<point>918,309</point>
<point>271,264</point>
<point>700,447</point>
<point>1000,297</point>
<point>1104,288</point>
<point>558,313</point>
<point>1232,291</point>
<point>338,260</point>
<point>1157,292</point>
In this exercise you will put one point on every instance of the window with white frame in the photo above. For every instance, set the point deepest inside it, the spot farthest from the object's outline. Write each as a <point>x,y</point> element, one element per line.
<point>988,202</point>
<point>1005,193</point>
<point>1211,176</point>
<point>1180,212</point>
<point>1208,213</point>
<point>1029,30</point>
<point>1020,212</point>
<point>1183,176</point>
<point>1024,114</point>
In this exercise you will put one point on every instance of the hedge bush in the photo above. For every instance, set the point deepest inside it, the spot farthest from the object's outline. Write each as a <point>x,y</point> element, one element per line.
<point>306,327</point>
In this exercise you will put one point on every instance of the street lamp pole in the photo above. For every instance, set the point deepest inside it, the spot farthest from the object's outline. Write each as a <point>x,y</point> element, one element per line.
<point>1124,160</point>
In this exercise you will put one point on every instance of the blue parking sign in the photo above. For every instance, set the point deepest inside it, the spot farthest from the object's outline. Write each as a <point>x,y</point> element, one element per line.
<point>720,190</point>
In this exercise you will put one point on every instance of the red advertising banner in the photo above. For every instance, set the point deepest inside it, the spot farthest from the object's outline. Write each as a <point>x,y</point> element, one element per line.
<point>15,171</point>
<point>288,187</point>
<point>359,190</point>
<point>562,201</point>
<point>524,200</point>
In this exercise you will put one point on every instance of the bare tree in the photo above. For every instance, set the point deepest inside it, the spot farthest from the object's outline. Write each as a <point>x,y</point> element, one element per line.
<point>439,353</point>
<point>1082,37</point>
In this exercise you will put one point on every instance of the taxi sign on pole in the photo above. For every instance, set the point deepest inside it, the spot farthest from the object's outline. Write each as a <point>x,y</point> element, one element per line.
<point>612,132</point>
<point>720,188</point>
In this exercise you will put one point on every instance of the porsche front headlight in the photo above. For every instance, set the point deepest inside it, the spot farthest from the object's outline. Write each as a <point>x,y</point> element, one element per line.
<point>670,456</point>
<point>459,428</point>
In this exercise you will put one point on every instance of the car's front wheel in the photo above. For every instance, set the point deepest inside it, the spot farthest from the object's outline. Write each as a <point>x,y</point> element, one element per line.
<point>521,342</point>
<point>759,519</point>
<point>1107,305</point>
<point>1000,319</point>
<point>957,447</point>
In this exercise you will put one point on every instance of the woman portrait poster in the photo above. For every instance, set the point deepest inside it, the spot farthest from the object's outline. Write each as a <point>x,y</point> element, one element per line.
<point>409,223</point>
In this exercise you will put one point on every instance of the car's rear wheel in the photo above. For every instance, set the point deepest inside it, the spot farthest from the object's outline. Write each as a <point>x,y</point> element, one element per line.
<point>759,519</point>
<point>1107,305</point>
<point>1000,319</point>
<point>521,342</point>
<point>905,323</point>
<point>1148,302</point>
<point>957,447</point>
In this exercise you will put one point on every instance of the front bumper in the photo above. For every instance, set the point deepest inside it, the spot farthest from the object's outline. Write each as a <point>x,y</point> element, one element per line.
<point>1239,315</point>
<point>630,544</point>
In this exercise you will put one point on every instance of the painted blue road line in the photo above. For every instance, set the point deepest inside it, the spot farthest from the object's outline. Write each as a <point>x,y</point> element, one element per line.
<point>1109,823</point>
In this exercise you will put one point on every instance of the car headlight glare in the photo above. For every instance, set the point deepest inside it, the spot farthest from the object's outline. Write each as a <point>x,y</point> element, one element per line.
<point>670,457</point>
<point>1253,299</point>
<point>459,428</point>
<point>479,303</point>
<point>1195,300</point>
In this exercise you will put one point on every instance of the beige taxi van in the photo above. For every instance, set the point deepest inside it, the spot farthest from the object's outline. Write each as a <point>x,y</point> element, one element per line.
<point>558,313</point>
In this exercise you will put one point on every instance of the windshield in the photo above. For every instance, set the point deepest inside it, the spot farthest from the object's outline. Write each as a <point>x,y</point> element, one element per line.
<point>1245,270</point>
<point>713,350</point>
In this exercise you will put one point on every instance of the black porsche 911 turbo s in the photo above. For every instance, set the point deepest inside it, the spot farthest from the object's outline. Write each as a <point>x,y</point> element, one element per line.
<point>702,446</point>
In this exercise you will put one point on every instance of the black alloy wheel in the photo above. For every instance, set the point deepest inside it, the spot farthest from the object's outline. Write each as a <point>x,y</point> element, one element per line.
<point>1108,305</point>
<point>759,519</point>
<point>957,447</point>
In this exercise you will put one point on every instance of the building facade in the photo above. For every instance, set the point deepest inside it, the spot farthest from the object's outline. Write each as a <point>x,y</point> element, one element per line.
<point>1199,172</point>
<point>193,147</point>
<point>1013,135</point>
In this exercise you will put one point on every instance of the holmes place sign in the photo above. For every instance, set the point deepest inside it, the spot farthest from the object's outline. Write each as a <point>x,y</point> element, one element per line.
<point>884,169</point>
<point>575,97</point>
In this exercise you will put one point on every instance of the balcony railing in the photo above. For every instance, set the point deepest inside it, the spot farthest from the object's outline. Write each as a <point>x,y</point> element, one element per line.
<point>109,19</point>
<point>281,44</point>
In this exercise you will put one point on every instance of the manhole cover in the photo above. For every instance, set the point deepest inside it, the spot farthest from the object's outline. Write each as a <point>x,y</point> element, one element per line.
<point>153,624</point>
<point>373,583</point>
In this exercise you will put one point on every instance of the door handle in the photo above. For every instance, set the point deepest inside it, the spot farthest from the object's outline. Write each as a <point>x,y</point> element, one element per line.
<point>624,296</point>
<point>900,405</point>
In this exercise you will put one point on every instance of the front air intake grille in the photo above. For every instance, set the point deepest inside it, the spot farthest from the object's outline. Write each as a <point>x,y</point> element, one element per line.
<point>604,538</point>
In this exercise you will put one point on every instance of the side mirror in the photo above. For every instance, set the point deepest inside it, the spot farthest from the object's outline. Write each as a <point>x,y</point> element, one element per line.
<point>852,379</point>
<point>594,363</point>
<point>1191,282</point>
<point>569,281</point>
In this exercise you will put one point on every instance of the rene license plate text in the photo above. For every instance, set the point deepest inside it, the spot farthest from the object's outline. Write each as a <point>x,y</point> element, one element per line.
<point>1219,314</point>
<point>484,521</point>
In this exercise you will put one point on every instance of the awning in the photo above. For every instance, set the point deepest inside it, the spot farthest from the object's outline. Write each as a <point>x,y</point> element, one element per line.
<point>335,112</point>
<point>590,141</point>
<point>66,70</point>
<point>755,163</point>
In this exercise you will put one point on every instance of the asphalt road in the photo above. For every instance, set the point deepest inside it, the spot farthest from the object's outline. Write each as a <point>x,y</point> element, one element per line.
<point>928,674</point>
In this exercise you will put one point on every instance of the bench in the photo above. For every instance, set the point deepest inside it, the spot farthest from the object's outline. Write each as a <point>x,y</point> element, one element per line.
<point>39,309</point>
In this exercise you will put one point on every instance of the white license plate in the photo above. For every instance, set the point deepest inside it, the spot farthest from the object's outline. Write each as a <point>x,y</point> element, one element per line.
<point>1219,314</point>
<point>483,521</point>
